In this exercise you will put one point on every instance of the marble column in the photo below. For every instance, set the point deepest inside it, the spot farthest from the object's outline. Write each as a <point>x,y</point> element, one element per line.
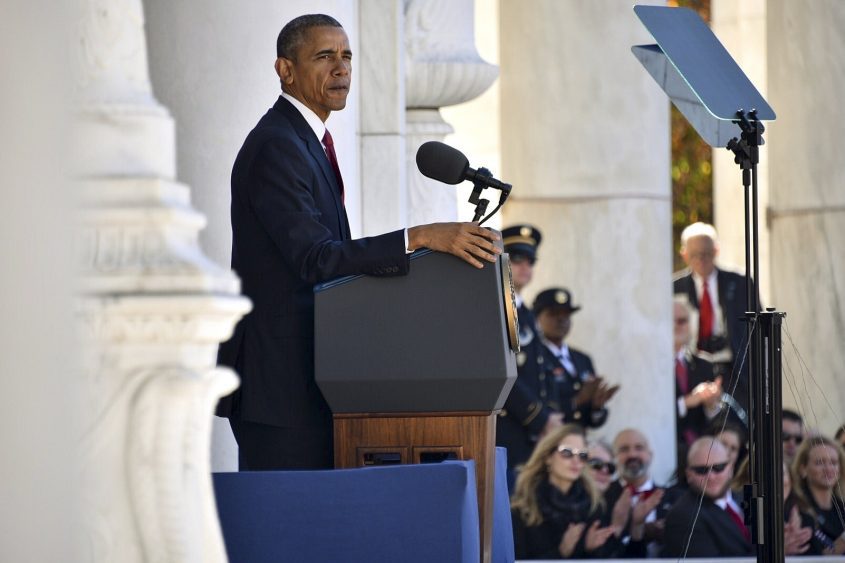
<point>38,362</point>
<point>585,142</point>
<point>806,68</point>
<point>741,27</point>
<point>213,69</point>
<point>443,69</point>
<point>151,310</point>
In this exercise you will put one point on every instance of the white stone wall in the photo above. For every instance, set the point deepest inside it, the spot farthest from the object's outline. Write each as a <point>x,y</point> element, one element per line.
<point>741,27</point>
<point>38,362</point>
<point>806,69</point>
<point>585,142</point>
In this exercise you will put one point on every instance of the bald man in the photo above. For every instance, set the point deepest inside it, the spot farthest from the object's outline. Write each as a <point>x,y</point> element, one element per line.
<point>719,530</point>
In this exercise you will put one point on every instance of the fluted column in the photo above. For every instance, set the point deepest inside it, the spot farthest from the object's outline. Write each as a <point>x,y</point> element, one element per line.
<point>151,311</point>
<point>585,142</point>
<point>806,70</point>
<point>443,69</point>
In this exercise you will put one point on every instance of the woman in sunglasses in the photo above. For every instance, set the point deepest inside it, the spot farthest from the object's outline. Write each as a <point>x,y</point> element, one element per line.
<point>601,465</point>
<point>557,510</point>
<point>819,469</point>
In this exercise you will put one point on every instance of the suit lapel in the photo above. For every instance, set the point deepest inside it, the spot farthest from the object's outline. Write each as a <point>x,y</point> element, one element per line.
<point>315,148</point>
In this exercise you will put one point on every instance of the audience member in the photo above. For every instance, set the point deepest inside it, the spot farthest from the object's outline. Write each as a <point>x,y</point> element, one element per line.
<point>797,517</point>
<point>521,243</point>
<point>557,510</point>
<point>697,394</point>
<point>581,393</point>
<point>720,298</point>
<point>601,464</point>
<point>719,528</point>
<point>792,434</point>
<point>840,435</point>
<point>532,407</point>
<point>633,456</point>
<point>819,469</point>
<point>733,437</point>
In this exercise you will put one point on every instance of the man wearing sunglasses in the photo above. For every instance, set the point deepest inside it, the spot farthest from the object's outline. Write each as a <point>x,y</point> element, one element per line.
<point>792,434</point>
<point>521,243</point>
<point>719,528</point>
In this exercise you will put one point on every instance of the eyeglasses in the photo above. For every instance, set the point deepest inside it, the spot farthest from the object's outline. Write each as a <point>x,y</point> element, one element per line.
<point>569,453</point>
<point>600,465</point>
<point>797,438</point>
<point>705,469</point>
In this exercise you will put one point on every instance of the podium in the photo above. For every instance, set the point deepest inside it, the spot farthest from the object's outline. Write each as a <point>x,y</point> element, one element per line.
<point>416,367</point>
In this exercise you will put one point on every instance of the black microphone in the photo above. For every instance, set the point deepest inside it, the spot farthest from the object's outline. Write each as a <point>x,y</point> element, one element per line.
<point>443,163</point>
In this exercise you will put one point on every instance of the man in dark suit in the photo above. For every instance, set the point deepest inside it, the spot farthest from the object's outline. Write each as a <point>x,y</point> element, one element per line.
<point>719,298</point>
<point>719,530</point>
<point>289,232</point>
<point>521,243</point>
<point>698,394</point>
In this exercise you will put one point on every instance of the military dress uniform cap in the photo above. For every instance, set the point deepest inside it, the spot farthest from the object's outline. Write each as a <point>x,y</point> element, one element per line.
<point>522,239</point>
<point>554,297</point>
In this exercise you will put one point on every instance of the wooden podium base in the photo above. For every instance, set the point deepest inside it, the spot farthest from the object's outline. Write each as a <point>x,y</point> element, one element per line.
<point>364,439</point>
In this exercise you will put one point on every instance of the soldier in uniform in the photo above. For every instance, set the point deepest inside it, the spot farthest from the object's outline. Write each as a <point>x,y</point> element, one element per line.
<point>581,394</point>
<point>521,242</point>
<point>550,390</point>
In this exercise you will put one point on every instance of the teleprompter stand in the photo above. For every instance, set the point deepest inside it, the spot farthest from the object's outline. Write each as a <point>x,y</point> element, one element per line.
<point>710,90</point>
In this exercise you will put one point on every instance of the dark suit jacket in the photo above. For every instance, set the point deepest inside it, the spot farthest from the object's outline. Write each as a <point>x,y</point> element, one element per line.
<point>698,371</point>
<point>715,534</point>
<point>289,232</point>
<point>732,301</point>
<point>734,304</point>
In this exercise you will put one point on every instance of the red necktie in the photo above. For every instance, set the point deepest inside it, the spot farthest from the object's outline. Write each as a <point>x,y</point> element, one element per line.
<point>738,521</point>
<point>681,376</point>
<point>329,143</point>
<point>705,311</point>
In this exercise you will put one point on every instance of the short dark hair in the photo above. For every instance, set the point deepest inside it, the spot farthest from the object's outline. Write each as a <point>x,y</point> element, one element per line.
<point>292,35</point>
<point>840,431</point>
<point>793,416</point>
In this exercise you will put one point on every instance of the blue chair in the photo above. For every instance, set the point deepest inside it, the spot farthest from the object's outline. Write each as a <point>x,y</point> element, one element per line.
<point>405,513</point>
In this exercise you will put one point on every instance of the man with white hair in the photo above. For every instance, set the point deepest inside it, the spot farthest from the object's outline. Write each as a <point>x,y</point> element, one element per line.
<point>719,298</point>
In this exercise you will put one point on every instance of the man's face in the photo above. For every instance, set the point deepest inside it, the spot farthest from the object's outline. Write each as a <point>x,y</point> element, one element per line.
<point>320,75</point>
<point>720,472</point>
<point>522,268</point>
<point>682,326</point>
<point>555,323</point>
<point>792,434</point>
<point>633,456</point>
<point>700,254</point>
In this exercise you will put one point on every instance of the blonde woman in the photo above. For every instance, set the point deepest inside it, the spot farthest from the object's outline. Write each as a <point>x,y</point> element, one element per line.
<point>558,512</point>
<point>819,469</point>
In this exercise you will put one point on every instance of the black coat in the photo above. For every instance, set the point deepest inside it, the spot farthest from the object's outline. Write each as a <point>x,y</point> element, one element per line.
<point>734,304</point>
<point>698,371</point>
<point>289,232</point>
<point>715,533</point>
<point>559,511</point>
<point>542,387</point>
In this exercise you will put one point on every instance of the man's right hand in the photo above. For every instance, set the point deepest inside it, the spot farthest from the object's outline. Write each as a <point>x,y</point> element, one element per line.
<point>467,241</point>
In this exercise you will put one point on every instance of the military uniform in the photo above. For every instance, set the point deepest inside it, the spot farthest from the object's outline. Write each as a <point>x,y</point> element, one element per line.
<point>544,386</point>
<point>521,242</point>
